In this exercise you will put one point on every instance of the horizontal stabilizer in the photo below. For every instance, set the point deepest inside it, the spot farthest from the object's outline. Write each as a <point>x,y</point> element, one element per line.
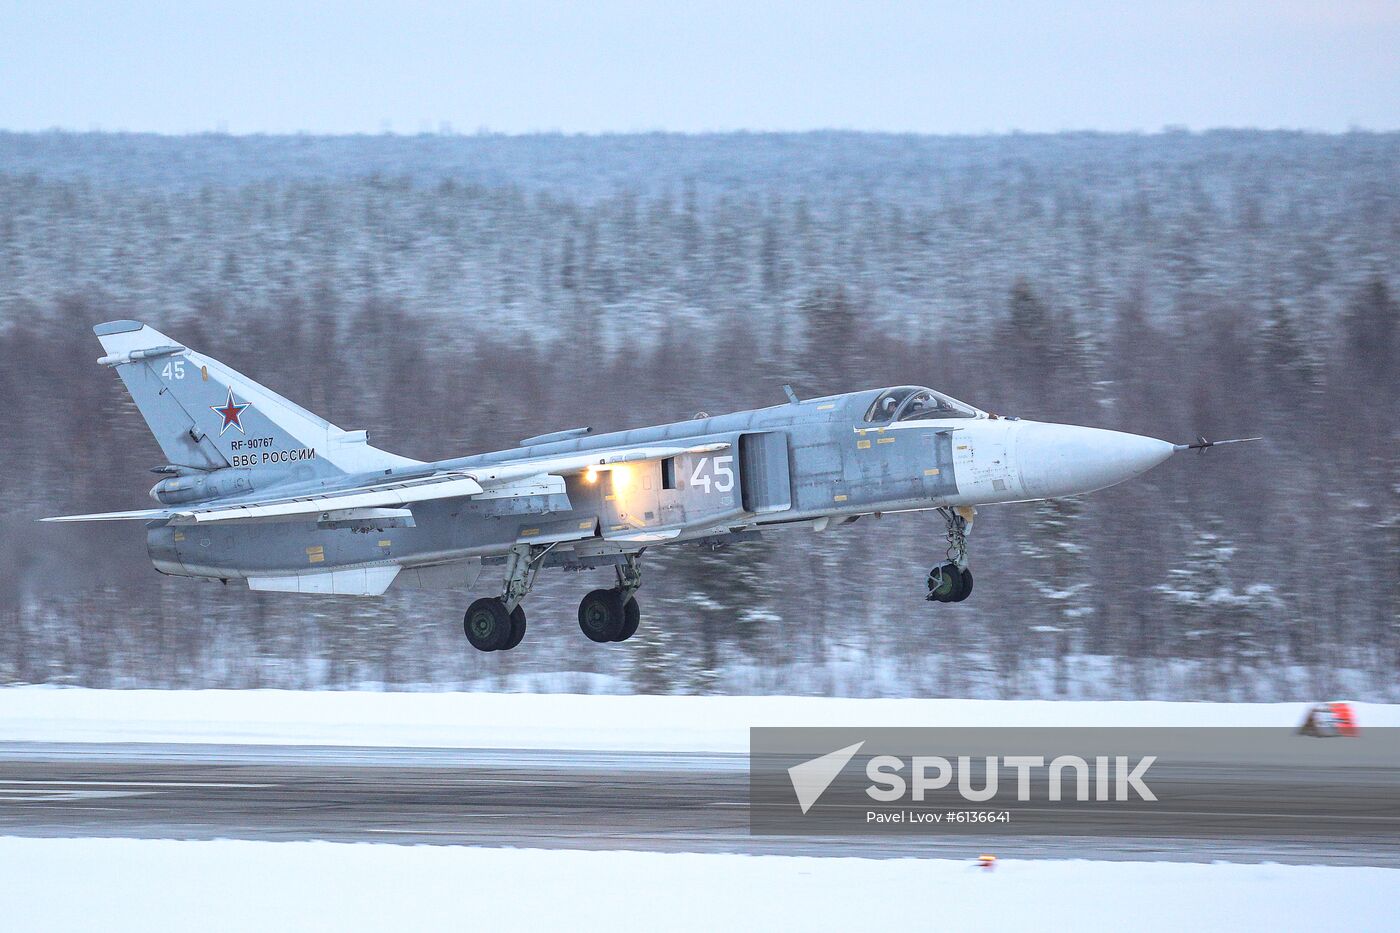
<point>137,515</point>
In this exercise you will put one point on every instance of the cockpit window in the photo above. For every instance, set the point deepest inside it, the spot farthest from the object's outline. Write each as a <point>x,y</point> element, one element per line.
<point>927,403</point>
<point>887,404</point>
<point>909,403</point>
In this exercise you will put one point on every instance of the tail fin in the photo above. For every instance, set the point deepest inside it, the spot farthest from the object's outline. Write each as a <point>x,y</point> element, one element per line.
<point>207,416</point>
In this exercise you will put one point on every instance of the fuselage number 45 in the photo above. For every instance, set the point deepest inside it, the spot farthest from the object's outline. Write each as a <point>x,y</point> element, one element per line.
<point>720,475</point>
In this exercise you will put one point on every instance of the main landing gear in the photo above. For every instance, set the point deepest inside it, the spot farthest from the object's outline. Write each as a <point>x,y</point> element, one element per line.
<point>951,581</point>
<point>497,623</point>
<point>613,615</point>
<point>491,627</point>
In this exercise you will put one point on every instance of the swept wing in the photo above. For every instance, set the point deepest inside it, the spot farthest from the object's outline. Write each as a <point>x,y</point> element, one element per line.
<point>487,481</point>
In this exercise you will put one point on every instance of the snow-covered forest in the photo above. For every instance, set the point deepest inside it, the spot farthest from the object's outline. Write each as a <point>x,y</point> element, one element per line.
<point>454,294</point>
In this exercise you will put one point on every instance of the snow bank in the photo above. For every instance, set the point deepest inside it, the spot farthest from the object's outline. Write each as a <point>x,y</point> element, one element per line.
<point>534,721</point>
<point>143,885</point>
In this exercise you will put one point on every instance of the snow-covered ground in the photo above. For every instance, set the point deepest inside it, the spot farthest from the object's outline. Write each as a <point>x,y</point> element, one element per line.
<point>150,885</point>
<point>158,884</point>
<point>554,721</point>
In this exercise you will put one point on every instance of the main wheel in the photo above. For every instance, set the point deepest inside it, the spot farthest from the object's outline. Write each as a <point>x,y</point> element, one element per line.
<point>631,618</point>
<point>601,616</point>
<point>487,624</point>
<point>517,628</point>
<point>945,583</point>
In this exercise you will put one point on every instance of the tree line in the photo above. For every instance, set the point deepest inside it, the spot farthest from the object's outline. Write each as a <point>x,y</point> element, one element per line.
<point>1167,285</point>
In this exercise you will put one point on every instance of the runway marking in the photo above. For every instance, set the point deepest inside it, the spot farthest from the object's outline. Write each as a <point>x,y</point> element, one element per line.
<point>21,791</point>
<point>6,782</point>
<point>436,832</point>
<point>26,795</point>
<point>46,806</point>
<point>517,781</point>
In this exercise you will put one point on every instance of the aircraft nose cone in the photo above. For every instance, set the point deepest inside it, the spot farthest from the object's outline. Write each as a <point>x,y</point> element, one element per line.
<point>1065,459</point>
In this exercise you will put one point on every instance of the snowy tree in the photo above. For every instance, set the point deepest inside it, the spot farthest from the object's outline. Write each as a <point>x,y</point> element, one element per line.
<point>1387,571</point>
<point>1370,323</point>
<point>1057,570</point>
<point>1289,362</point>
<point>1225,621</point>
<point>658,660</point>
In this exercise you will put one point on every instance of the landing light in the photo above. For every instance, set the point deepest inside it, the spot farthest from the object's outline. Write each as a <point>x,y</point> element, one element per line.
<point>590,475</point>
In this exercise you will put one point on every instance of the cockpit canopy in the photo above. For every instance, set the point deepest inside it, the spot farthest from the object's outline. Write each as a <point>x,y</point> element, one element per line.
<point>913,403</point>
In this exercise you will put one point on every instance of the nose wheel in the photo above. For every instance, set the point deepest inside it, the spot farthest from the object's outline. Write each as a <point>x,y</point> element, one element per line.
<point>951,581</point>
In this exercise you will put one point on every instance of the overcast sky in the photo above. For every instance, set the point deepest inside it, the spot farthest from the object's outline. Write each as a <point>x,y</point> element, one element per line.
<point>965,67</point>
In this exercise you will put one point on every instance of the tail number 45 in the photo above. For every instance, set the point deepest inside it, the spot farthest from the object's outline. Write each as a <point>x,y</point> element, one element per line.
<point>720,474</point>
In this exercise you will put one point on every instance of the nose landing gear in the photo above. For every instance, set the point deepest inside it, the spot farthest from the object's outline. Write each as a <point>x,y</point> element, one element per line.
<point>951,581</point>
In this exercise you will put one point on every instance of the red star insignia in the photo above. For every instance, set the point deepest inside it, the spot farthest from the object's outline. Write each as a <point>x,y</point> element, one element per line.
<point>231,412</point>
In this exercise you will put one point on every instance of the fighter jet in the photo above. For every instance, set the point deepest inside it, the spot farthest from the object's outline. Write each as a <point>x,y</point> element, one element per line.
<point>258,489</point>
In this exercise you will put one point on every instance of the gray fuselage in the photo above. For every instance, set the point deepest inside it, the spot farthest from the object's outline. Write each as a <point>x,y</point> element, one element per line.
<point>817,461</point>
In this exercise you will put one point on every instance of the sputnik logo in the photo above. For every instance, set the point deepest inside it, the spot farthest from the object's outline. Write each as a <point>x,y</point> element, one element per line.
<point>231,412</point>
<point>811,778</point>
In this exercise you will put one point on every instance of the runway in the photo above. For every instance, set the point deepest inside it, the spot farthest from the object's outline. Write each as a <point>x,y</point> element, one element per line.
<point>564,799</point>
